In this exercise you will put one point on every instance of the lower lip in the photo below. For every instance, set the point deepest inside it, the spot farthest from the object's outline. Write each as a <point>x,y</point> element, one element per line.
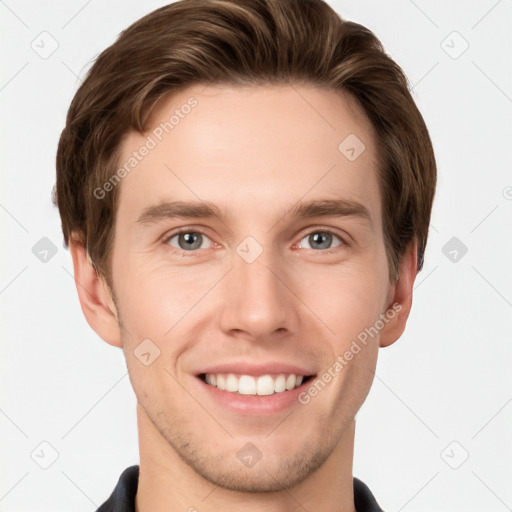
<point>255,404</point>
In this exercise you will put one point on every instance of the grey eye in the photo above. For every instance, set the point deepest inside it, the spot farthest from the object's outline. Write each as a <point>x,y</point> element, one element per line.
<point>321,240</point>
<point>188,240</point>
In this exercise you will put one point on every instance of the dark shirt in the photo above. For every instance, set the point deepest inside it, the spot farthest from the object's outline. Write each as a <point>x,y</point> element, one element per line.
<point>122,498</point>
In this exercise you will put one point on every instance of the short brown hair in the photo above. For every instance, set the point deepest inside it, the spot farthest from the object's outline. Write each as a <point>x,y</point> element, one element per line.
<point>241,42</point>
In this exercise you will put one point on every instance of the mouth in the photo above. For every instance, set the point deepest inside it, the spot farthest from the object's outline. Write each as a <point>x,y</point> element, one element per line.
<point>256,385</point>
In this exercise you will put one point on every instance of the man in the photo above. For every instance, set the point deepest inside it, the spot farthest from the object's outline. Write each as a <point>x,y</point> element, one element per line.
<point>245,187</point>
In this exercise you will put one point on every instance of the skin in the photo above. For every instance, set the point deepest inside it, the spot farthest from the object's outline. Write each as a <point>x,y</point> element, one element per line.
<point>254,152</point>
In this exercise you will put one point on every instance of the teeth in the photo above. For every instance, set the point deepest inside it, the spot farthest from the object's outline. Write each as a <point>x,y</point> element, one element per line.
<point>221,382</point>
<point>246,385</point>
<point>231,383</point>
<point>265,385</point>
<point>250,385</point>
<point>291,381</point>
<point>280,384</point>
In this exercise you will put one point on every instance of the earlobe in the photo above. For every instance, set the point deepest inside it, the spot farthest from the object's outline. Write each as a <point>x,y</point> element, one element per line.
<point>95,298</point>
<point>400,298</point>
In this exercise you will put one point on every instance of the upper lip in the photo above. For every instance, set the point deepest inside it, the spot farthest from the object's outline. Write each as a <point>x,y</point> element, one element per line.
<point>271,367</point>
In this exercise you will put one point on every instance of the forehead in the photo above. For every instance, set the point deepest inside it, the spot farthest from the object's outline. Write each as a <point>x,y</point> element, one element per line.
<point>251,147</point>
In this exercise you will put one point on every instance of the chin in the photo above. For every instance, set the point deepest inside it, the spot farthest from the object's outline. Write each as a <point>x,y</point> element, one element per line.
<point>251,464</point>
<point>269,474</point>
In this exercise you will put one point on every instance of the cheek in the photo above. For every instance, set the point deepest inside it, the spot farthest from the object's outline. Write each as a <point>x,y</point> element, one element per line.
<point>357,379</point>
<point>347,300</point>
<point>155,297</point>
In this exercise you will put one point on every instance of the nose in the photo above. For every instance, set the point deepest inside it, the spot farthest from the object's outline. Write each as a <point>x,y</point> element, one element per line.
<point>258,302</point>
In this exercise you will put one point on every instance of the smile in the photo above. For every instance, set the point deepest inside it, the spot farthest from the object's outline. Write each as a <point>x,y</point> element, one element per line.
<point>262,385</point>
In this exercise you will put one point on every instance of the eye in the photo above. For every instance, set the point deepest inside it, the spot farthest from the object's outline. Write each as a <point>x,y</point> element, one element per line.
<point>188,240</point>
<point>322,240</point>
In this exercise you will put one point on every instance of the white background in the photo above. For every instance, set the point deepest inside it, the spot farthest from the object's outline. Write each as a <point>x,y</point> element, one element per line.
<point>447,379</point>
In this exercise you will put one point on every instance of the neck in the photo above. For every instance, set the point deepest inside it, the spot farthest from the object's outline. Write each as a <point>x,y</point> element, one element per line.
<point>167,483</point>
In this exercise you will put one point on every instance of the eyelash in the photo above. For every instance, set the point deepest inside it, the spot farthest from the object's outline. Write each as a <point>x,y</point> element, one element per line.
<point>198,231</point>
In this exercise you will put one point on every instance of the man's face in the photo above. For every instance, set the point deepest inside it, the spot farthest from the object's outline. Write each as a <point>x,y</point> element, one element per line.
<point>259,290</point>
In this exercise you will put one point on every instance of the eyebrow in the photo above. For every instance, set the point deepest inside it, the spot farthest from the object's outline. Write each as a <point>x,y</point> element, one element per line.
<point>301,210</point>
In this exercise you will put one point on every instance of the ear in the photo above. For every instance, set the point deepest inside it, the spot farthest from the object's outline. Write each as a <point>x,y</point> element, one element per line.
<point>95,298</point>
<point>399,298</point>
